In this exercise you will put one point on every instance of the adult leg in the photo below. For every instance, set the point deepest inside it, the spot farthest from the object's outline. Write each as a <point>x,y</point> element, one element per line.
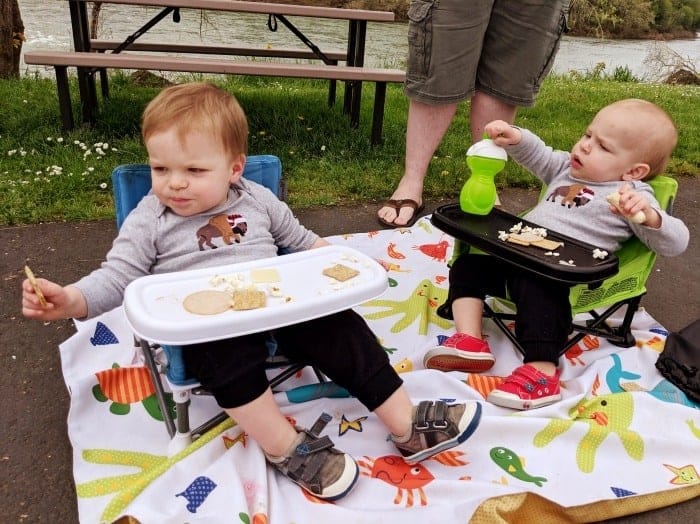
<point>426,126</point>
<point>484,109</point>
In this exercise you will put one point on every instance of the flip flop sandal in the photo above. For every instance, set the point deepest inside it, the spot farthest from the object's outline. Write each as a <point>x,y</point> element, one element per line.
<point>398,205</point>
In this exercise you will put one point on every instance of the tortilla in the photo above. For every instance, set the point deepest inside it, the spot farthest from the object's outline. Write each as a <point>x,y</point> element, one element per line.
<point>207,302</point>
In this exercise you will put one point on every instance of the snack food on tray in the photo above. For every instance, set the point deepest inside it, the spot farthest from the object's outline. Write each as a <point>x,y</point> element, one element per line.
<point>340,272</point>
<point>207,302</point>
<point>614,199</point>
<point>244,299</point>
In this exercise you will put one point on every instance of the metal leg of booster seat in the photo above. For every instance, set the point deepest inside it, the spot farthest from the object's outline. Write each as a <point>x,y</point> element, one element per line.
<point>179,426</point>
<point>158,385</point>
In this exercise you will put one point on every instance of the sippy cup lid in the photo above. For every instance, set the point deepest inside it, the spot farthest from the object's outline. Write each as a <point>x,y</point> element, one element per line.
<point>487,149</point>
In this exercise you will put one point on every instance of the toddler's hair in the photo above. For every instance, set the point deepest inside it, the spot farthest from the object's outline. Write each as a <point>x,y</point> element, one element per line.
<point>198,106</point>
<point>655,131</point>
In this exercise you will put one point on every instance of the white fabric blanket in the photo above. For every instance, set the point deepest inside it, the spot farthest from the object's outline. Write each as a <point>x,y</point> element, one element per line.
<point>622,440</point>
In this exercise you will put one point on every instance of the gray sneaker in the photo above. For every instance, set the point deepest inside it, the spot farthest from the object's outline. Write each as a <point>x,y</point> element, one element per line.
<point>315,465</point>
<point>437,427</point>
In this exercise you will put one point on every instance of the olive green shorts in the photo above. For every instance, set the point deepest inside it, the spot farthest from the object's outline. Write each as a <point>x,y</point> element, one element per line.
<point>499,47</point>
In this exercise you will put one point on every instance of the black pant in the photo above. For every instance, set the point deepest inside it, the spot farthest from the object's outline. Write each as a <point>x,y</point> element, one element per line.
<point>340,345</point>
<point>543,317</point>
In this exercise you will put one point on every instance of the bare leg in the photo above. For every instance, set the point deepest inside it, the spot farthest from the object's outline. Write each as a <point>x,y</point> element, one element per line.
<point>263,421</point>
<point>396,412</point>
<point>426,126</point>
<point>467,313</point>
<point>485,108</point>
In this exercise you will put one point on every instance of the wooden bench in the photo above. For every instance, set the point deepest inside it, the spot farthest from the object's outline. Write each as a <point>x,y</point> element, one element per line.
<point>332,57</point>
<point>62,60</point>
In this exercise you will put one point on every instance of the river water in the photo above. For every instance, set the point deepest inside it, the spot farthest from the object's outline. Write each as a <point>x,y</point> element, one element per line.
<point>47,26</point>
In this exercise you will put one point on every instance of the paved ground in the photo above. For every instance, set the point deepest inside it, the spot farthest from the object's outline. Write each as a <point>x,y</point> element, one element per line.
<point>37,482</point>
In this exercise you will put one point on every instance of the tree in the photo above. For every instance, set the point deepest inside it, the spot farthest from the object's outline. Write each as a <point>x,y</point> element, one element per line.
<point>11,38</point>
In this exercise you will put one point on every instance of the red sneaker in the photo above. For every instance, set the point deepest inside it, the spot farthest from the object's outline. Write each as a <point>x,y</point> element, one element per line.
<point>460,352</point>
<point>526,388</point>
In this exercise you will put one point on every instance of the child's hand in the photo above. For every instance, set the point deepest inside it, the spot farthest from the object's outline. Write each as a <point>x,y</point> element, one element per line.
<point>502,133</point>
<point>61,302</point>
<point>635,206</point>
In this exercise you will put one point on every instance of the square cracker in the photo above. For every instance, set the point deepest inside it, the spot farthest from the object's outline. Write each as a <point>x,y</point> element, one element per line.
<point>340,272</point>
<point>546,244</point>
<point>248,299</point>
<point>264,275</point>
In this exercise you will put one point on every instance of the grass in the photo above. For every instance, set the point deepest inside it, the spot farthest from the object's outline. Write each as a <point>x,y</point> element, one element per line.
<point>49,175</point>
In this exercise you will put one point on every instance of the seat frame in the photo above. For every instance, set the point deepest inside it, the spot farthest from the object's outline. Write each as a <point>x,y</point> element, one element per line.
<point>633,251</point>
<point>131,182</point>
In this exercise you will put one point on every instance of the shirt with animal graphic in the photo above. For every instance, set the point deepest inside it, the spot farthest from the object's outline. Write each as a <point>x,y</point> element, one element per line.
<point>250,225</point>
<point>578,208</point>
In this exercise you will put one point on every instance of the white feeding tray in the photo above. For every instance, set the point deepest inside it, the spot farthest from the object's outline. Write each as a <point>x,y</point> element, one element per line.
<point>154,303</point>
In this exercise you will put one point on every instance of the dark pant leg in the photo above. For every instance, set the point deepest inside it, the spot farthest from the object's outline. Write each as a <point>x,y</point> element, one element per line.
<point>233,369</point>
<point>543,318</point>
<point>475,276</point>
<point>346,350</point>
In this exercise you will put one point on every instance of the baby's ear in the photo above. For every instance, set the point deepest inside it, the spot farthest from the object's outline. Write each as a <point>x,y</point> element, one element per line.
<point>637,172</point>
<point>237,167</point>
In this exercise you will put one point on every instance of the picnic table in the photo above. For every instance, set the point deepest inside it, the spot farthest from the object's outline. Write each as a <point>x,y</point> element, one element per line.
<point>353,55</point>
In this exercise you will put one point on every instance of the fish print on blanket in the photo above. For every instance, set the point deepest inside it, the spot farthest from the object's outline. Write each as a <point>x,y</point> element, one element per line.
<point>512,464</point>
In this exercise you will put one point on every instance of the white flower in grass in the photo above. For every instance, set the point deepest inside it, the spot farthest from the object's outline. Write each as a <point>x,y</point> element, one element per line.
<point>59,139</point>
<point>76,142</point>
<point>11,152</point>
<point>323,148</point>
<point>90,169</point>
<point>103,185</point>
<point>49,139</point>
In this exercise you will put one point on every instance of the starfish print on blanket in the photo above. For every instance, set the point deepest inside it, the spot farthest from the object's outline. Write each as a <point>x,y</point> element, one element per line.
<point>421,304</point>
<point>605,415</point>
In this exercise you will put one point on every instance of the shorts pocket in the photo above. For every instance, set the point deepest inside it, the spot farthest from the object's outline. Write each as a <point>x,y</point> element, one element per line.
<point>561,30</point>
<point>420,38</point>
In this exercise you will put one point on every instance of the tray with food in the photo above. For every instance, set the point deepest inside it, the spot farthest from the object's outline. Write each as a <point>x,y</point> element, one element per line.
<point>188,307</point>
<point>527,245</point>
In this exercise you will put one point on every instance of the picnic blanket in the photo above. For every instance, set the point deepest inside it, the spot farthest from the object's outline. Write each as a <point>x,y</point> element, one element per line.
<point>622,440</point>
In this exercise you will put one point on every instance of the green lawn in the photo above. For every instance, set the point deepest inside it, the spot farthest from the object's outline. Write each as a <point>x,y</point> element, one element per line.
<point>49,175</point>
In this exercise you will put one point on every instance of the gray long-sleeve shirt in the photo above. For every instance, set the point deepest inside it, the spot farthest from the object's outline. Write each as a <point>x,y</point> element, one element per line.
<point>153,239</point>
<point>578,208</point>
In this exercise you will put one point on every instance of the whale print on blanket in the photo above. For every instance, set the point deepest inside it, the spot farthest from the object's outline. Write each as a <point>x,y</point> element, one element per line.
<point>604,436</point>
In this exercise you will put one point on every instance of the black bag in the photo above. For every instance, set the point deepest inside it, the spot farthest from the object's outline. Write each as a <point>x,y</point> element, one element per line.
<point>679,362</point>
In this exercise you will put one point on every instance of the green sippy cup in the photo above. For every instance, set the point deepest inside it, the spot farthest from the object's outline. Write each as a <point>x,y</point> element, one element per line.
<point>485,159</point>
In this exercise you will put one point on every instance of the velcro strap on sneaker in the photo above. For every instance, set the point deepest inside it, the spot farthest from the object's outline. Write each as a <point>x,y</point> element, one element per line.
<point>320,423</point>
<point>440,414</point>
<point>306,463</point>
<point>421,418</point>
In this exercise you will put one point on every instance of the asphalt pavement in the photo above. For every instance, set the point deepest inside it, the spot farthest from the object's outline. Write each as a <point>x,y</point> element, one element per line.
<point>35,452</point>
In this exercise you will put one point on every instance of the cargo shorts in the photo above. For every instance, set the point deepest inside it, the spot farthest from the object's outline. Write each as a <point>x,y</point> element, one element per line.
<point>499,47</point>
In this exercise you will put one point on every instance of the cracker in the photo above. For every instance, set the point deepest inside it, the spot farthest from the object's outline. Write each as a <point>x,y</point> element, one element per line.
<point>340,272</point>
<point>35,286</point>
<point>513,239</point>
<point>244,299</point>
<point>546,244</point>
<point>264,275</point>
<point>207,302</point>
